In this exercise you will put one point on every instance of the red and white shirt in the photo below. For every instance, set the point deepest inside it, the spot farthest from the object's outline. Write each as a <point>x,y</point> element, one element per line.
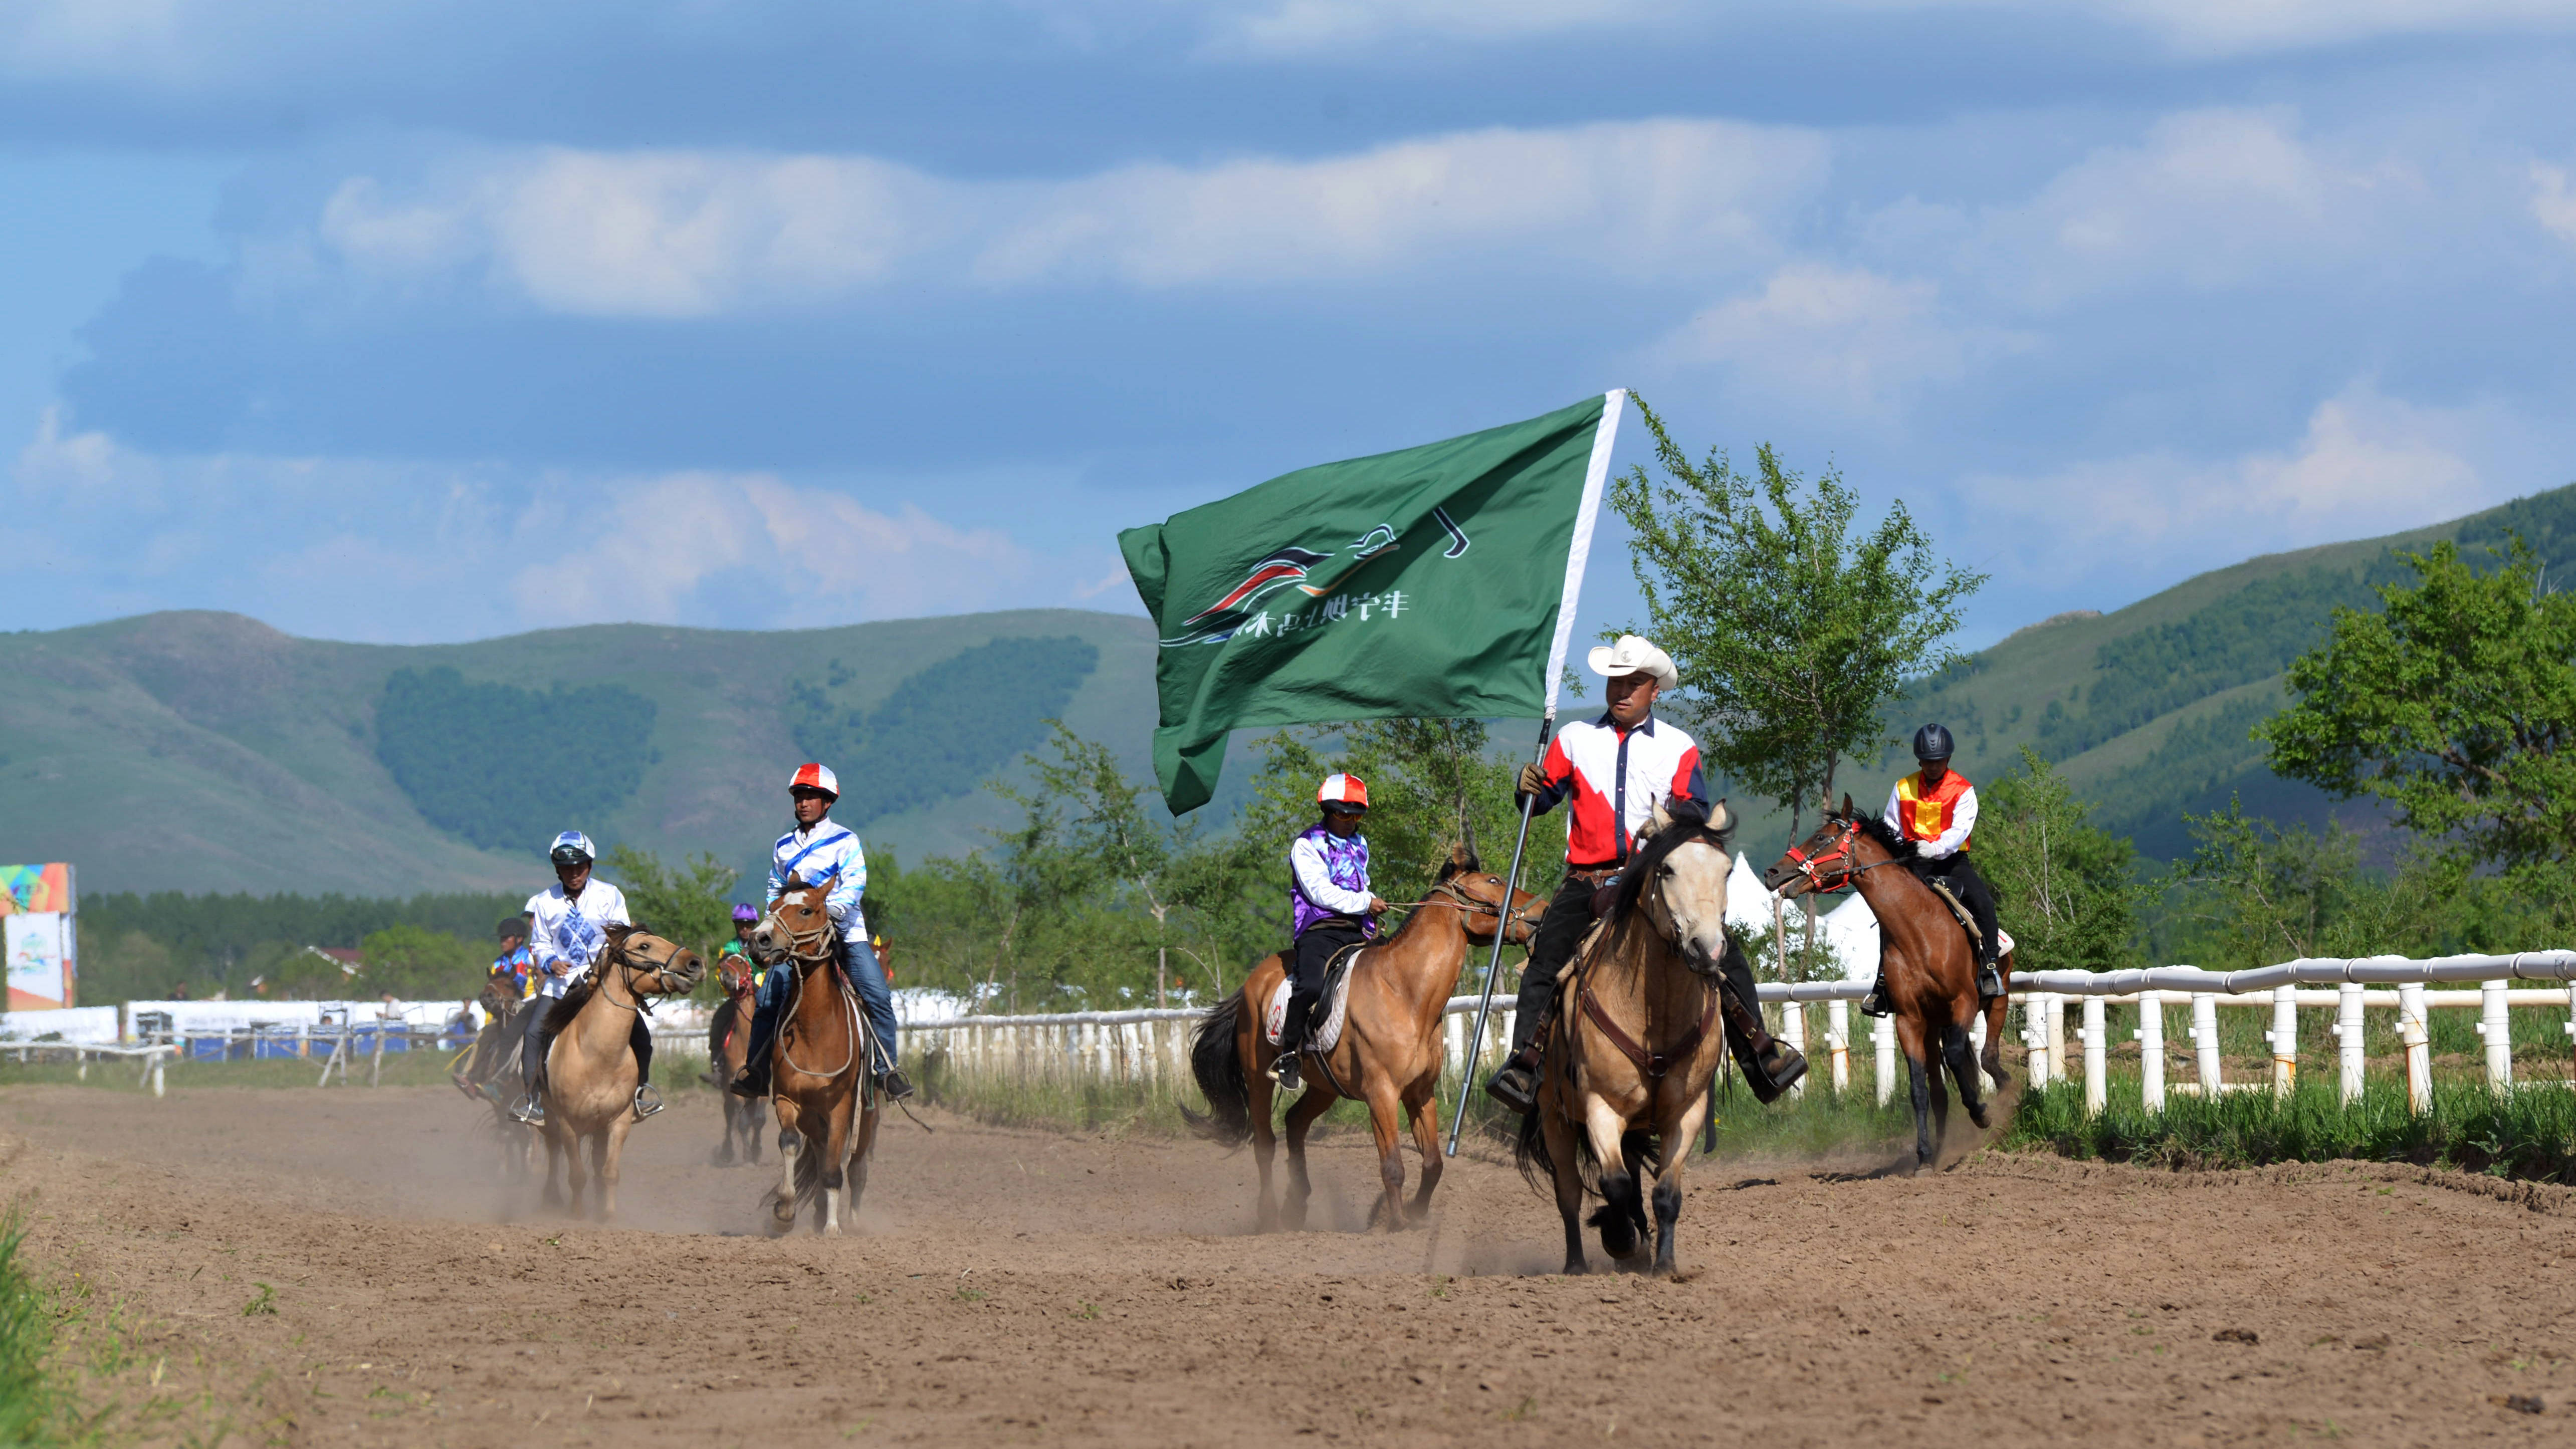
<point>1615,777</point>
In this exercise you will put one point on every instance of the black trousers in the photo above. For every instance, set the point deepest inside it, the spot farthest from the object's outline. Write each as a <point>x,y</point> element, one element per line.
<point>1960,875</point>
<point>1560,930</point>
<point>1314,951</point>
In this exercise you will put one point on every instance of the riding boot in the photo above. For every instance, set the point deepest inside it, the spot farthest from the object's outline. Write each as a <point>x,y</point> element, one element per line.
<point>1876,1003</point>
<point>1515,1083</point>
<point>1990,979</point>
<point>1771,1066</point>
<point>1292,1046</point>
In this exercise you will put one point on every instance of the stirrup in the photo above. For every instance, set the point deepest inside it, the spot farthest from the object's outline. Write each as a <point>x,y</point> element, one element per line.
<point>1990,980</point>
<point>1876,1003</point>
<point>1515,1085</point>
<point>647,1101</point>
<point>895,1085</point>
<point>1283,1070</point>
<point>530,1111</point>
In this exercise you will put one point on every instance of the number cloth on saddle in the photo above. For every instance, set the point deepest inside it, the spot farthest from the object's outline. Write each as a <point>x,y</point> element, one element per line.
<point>1326,1034</point>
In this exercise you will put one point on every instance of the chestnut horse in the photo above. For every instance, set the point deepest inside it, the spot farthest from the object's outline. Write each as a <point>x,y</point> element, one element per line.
<point>728,1044</point>
<point>1390,1052</point>
<point>820,1077</point>
<point>1929,963</point>
<point>590,1074</point>
<point>1635,1043</point>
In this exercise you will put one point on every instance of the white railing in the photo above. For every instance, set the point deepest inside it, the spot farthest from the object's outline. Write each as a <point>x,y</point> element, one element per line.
<point>1151,1046</point>
<point>153,1058</point>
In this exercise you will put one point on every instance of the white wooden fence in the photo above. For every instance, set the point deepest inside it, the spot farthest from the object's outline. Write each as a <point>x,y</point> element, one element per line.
<point>1151,1047</point>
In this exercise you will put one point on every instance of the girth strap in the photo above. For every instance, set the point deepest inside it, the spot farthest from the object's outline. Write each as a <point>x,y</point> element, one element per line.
<point>1652,1065</point>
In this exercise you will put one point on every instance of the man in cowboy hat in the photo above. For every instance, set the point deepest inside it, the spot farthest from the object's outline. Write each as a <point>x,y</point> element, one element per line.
<point>1615,769</point>
<point>1936,808</point>
<point>815,852</point>
<point>1331,905</point>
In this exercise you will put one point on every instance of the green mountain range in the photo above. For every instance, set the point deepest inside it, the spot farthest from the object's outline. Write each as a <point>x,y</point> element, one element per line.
<point>205,751</point>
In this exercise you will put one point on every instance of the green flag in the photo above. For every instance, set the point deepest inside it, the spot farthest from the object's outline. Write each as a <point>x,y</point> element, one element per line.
<point>1436,582</point>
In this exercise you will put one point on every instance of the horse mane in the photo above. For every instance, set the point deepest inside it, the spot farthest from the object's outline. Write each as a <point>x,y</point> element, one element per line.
<point>1893,843</point>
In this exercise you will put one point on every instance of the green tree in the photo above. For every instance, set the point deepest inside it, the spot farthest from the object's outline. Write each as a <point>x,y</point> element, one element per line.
<point>2067,887</point>
<point>2456,704</point>
<point>1792,631</point>
<point>691,904</point>
<point>2262,892</point>
<point>417,964</point>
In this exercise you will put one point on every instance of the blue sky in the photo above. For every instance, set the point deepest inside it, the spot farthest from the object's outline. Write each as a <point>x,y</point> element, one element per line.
<point>409,321</point>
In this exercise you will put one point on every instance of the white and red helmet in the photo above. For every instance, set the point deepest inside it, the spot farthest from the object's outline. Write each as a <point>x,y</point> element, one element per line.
<point>810,776</point>
<point>1349,791</point>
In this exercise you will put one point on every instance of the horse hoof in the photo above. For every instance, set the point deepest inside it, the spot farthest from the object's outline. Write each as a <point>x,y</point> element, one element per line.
<point>1978,1116</point>
<point>1576,1268</point>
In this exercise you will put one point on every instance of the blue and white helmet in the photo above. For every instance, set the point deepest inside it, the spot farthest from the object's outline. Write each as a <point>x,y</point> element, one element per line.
<point>572,848</point>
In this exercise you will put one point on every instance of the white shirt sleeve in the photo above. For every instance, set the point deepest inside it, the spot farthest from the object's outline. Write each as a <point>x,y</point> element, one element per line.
<point>1963,819</point>
<point>1894,819</point>
<point>1307,860</point>
<point>541,935</point>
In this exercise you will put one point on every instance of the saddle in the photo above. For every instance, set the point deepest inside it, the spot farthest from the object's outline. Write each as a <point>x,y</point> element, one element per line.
<point>1324,1028</point>
<point>1968,922</point>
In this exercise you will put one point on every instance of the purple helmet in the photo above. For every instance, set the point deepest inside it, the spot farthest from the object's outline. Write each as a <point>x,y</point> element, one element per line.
<point>744,915</point>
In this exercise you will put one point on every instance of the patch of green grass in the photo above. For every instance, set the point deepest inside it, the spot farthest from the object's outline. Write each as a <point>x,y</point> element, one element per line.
<point>2526,1132</point>
<point>30,1404</point>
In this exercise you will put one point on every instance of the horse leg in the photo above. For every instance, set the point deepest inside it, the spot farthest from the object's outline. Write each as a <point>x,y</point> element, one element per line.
<point>1265,1142</point>
<point>612,1151</point>
<point>1993,1059</point>
<point>576,1170</point>
<point>783,1212</point>
<point>863,1145</point>
<point>836,1153</point>
<point>1386,1122</point>
<point>1682,1127</point>
<point>1622,1207</point>
<point>1909,1039</point>
<point>554,1167</point>
<point>1961,1054</point>
<point>1422,1104</point>
<point>1313,1103</point>
<point>1558,1136</point>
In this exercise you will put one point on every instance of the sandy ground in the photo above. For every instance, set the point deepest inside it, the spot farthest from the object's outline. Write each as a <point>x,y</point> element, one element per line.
<point>1027,1287</point>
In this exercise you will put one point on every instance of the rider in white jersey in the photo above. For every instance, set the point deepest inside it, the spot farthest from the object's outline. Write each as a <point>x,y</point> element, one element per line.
<point>569,922</point>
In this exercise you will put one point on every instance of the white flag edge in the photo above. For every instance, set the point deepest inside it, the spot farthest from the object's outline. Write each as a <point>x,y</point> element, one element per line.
<point>1595,477</point>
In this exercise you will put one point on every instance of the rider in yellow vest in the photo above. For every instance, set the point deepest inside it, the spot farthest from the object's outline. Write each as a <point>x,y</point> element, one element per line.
<point>1936,809</point>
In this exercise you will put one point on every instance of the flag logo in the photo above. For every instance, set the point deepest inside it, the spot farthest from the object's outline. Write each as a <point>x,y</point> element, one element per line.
<point>1291,567</point>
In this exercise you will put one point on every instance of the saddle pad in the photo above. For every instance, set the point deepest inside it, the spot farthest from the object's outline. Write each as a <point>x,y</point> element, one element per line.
<point>1337,1002</point>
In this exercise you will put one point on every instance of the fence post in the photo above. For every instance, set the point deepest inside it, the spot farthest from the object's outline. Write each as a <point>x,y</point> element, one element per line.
<point>1838,1043</point>
<point>2419,1047</point>
<point>1882,1033</point>
<point>1453,1042</point>
<point>159,1060</point>
<point>2060,1064</point>
<point>2151,1050</point>
<point>2349,1053</point>
<point>2284,1037</point>
<point>2034,1035</point>
<point>2204,1041</point>
<point>1793,1030</point>
<point>2570,1028</point>
<point>2495,1023</point>
<point>2096,1055</point>
<point>376,1058</point>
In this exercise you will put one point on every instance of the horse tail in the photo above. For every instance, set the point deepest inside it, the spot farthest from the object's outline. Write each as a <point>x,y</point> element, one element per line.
<point>1216,1059</point>
<point>1530,1155</point>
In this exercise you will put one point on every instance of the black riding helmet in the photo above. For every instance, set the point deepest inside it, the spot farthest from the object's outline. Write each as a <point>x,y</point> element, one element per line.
<point>1931,743</point>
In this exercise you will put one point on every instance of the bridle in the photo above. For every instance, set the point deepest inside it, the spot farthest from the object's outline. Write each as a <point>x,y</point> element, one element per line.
<point>809,949</point>
<point>1470,905</point>
<point>642,1005</point>
<point>1840,851</point>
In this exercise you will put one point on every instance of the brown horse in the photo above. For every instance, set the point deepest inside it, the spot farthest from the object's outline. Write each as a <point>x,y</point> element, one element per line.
<point>1632,1049</point>
<point>820,1075</point>
<point>1390,1050</point>
<point>590,1074</point>
<point>728,1045</point>
<point>1930,966</point>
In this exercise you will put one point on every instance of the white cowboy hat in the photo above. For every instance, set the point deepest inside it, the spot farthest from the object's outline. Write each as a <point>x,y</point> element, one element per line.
<point>1632,655</point>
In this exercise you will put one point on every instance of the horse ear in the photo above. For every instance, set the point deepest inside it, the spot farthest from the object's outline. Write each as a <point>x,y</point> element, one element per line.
<point>1721,821</point>
<point>1659,819</point>
<point>1468,859</point>
<point>1848,812</point>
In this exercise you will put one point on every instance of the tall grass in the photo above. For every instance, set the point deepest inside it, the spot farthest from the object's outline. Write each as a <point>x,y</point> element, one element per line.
<point>29,1404</point>
<point>2522,1132</point>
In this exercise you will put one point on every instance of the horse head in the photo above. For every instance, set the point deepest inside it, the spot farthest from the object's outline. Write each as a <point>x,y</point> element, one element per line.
<point>500,996</point>
<point>1828,859</point>
<point>656,965</point>
<point>798,926</point>
<point>1479,894</point>
<point>1678,880</point>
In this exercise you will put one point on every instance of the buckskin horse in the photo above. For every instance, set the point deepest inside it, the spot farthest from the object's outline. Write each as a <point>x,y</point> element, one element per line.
<point>728,1044</point>
<point>1390,1051</point>
<point>1929,963</point>
<point>1632,1050</point>
<point>820,1078</point>
<point>590,1074</point>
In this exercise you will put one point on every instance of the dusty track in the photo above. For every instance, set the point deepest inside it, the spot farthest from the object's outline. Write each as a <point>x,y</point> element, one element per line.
<point>1023,1287</point>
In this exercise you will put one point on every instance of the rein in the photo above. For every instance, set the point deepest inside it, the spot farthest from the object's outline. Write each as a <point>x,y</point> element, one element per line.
<point>815,961</point>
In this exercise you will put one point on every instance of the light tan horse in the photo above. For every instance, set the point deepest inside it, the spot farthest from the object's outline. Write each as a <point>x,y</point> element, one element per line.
<point>1635,1043</point>
<point>820,1077</point>
<point>590,1073</point>
<point>1390,1051</point>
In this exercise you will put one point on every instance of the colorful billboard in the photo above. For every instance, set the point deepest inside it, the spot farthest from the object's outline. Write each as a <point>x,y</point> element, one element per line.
<point>38,934</point>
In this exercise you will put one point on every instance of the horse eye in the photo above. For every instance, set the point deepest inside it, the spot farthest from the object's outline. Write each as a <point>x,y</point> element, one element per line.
<point>1664,871</point>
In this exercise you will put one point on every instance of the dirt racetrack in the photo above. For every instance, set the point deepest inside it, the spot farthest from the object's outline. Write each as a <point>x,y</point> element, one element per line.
<point>1029,1287</point>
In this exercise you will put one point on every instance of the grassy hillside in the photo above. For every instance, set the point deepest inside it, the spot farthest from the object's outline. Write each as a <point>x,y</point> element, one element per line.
<point>204,751</point>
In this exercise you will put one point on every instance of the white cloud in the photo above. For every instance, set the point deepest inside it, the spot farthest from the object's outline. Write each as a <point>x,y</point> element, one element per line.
<point>2365,464</point>
<point>354,549</point>
<point>696,233</point>
<point>2551,201</point>
<point>1835,339</point>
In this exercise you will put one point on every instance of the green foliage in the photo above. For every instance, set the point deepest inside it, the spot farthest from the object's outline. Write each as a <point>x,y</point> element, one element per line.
<point>2457,706</point>
<point>2065,887</point>
<point>942,730</point>
<point>136,947</point>
<point>691,904</point>
<point>2529,1132</point>
<point>419,965</point>
<point>507,768</point>
<point>1791,633</point>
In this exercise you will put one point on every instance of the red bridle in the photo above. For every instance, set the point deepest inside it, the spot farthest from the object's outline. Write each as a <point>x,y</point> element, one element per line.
<point>1840,851</point>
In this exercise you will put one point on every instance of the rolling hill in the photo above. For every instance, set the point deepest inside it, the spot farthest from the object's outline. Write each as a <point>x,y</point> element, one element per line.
<point>209,752</point>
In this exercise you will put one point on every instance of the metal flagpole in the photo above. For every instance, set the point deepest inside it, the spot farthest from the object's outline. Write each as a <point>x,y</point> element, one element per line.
<point>1595,474</point>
